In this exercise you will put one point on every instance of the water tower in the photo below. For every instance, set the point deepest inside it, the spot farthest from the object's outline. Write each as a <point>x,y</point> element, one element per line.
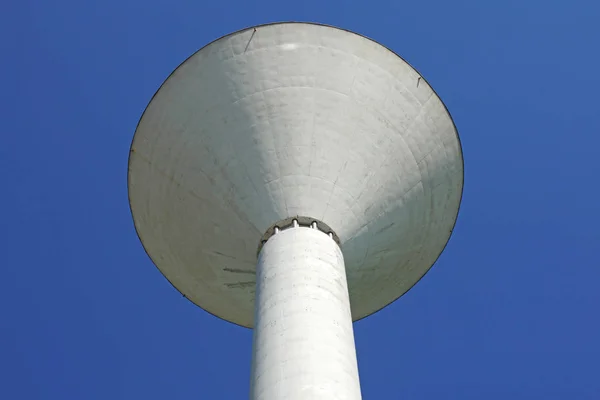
<point>293,178</point>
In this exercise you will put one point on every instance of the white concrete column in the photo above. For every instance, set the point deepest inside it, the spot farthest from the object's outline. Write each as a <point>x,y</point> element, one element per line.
<point>303,345</point>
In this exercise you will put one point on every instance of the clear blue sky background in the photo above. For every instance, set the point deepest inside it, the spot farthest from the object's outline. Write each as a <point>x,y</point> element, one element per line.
<point>511,309</point>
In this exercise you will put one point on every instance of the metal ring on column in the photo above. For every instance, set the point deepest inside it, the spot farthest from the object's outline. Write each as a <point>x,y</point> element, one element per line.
<point>295,222</point>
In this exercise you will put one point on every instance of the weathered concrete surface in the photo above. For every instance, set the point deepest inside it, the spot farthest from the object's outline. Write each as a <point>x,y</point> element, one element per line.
<point>303,340</point>
<point>294,119</point>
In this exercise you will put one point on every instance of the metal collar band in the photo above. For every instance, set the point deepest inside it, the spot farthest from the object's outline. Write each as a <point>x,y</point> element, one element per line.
<point>296,222</point>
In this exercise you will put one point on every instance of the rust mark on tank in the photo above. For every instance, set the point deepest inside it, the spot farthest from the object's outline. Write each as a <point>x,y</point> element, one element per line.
<point>240,271</point>
<point>222,254</point>
<point>240,285</point>
<point>251,37</point>
<point>385,228</point>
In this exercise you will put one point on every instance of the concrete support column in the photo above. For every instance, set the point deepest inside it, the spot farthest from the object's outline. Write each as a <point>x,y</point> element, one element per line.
<point>303,345</point>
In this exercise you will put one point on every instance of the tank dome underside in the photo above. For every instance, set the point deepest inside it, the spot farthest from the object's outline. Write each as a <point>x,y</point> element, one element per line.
<point>294,119</point>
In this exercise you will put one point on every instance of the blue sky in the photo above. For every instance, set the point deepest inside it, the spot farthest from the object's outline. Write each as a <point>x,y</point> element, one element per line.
<point>510,310</point>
